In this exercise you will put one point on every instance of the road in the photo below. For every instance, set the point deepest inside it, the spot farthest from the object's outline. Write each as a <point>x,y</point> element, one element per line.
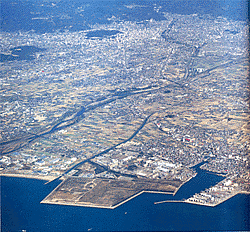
<point>107,150</point>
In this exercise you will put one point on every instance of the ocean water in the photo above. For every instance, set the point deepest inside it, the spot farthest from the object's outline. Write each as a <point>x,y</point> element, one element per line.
<point>21,210</point>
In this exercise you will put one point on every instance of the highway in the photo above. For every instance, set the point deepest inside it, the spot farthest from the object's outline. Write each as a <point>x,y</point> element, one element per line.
<point>106,151</point>
<point>68,119</point>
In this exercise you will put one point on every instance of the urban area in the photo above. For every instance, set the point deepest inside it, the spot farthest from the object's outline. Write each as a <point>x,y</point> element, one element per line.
<point>130,101</point>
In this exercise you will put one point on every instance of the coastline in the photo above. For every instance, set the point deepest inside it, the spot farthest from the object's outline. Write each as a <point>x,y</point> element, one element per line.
<point>244,192</point>
<point>37,177</point>
<point>51,178</point>
<point>202,204</point>
<point>212,205</point>
<point>184,182</point>
<point>99,206</point>
<point>89,204</point>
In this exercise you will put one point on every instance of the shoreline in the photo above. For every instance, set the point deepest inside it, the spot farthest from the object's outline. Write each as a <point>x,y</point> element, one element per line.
<point>244,192</point>
<point>184,182</point>
<point>37,177</point>
<point>202,204</point>
<point>51,178</point>
<point>212,205</point>
<point>90,204</point>
<point>99,206</point>
<point>79,205</point>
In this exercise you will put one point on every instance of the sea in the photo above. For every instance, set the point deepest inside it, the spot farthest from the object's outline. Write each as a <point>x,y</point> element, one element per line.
<point>21,210</point>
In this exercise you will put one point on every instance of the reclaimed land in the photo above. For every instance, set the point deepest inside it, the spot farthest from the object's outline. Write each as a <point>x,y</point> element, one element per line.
<point>106,193</point>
